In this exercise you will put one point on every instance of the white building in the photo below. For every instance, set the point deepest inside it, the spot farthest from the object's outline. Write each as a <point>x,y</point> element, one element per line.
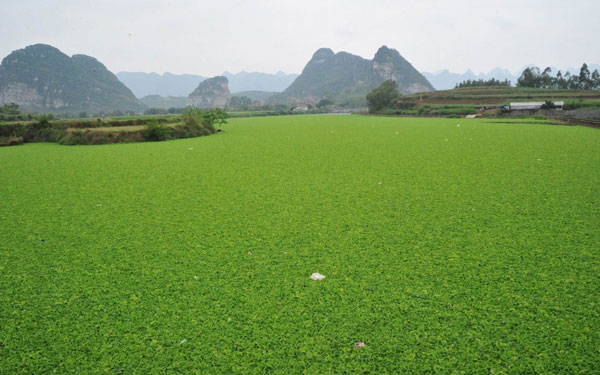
<point>533,105</point>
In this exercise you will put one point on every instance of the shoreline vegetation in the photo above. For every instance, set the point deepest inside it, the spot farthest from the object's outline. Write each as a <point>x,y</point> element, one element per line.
<point>191,123</point>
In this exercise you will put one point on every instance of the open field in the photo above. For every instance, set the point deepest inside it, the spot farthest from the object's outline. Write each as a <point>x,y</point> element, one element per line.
<point>447,249</point>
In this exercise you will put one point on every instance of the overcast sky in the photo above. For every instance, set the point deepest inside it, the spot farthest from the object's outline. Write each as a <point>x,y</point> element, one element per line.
<point>209,37</point>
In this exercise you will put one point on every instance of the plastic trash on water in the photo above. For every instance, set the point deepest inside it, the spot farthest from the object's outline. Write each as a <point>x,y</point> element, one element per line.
<point>317,276</point>
<point>182,341</point>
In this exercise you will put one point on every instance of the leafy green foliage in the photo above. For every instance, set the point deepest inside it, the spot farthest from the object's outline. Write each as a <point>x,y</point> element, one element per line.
<point>43,121</point>
<point>548,104</point>
<point>482,83</point>
<point>10,109</point>
<point>531,77</point>
<point>12,112</point>
<point>10,141</point>
<point>194,123</point>
<point>324,103</point>
<point>446,249</point>
<point>384,96</point>
<point>156,131</point>
<point>240,103</point>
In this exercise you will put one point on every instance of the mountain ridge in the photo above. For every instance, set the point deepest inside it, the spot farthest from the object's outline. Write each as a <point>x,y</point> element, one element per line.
<point>40,77</point>
<point>445,79</point>
<point>347,77</point>
<point>178,85</point>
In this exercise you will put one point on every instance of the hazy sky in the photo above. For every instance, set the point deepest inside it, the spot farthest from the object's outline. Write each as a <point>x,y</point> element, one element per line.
<point>209,37</point>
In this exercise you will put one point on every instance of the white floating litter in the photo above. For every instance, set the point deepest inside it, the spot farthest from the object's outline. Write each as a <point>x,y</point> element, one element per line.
<point>191,148</point>
<point>182,341</point>
<point>317,276</point>
<point>99,205</point>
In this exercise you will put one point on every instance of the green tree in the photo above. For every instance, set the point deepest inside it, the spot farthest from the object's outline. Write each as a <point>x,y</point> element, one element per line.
<point>548,104</point>
<point>561,82</point>
<point>155,131</point>
<point>240,103</point>
<point>384,96</point>
<point>196,118</point>
<point>482,82</point>
<point>585,80</point>
<point>596,80</point>
<point>324,103</point>
<point>10,109</point>
<point>530,77</point>
<point>43,121</point>
<point>546,79</point>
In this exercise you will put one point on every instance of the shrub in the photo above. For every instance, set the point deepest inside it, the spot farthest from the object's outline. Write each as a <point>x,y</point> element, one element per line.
<point>94,137</point>
<point>156,131</point>
<point>40,132</point>
<point>192,117</point>
<point>405,105</point>
<point>187,131</point>
<point>548,104</point>
<point>572,105</point>
<point>11,141</point>
<point>214,117</point>
<point>324,103</point>
<point>424,109</point>
<point>195,118</point>
<point>43,121</point>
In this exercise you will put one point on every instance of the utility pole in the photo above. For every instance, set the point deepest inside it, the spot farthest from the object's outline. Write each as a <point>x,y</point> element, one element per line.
<point>421,87</point>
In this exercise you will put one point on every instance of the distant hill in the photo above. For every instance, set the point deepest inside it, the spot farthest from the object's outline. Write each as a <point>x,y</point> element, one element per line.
<point>446,80</point>
<point>345,77</point>
<point>254,81</point>
<point>164,102</point>
<point>42,78</point>
<point>256,95</point>
<point>210,93</point>
<point>168,84</point>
